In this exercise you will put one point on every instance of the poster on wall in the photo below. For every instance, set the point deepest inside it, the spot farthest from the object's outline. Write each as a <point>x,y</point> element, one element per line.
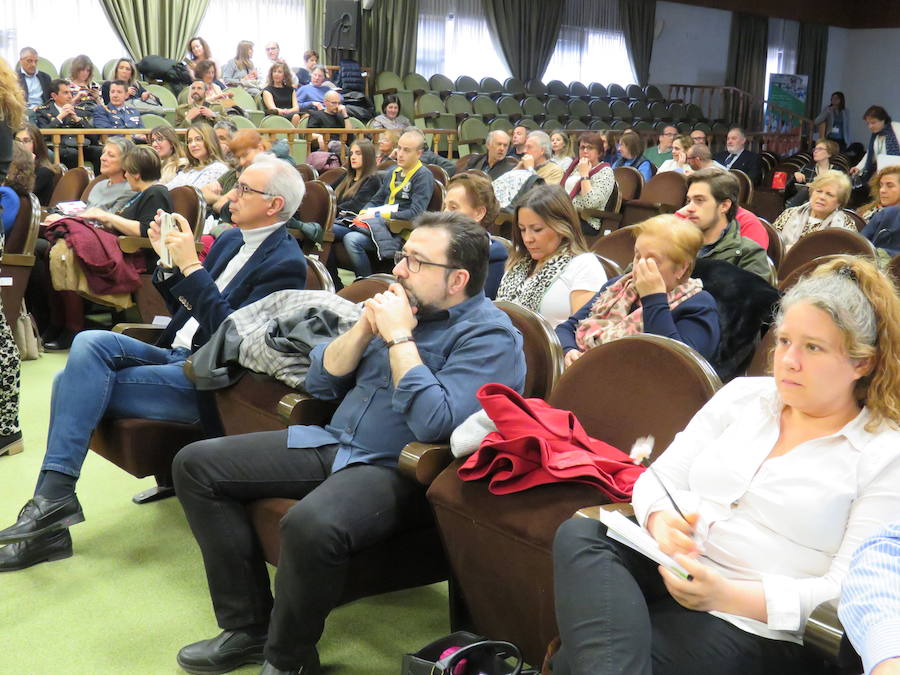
<point>788,92</point>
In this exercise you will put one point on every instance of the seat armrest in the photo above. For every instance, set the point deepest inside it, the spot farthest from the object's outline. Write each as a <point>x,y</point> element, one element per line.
<point>424,461</point>
<point>602,215</point>
<point>626,509</point>
<point>656,206</point>
<point>145,332</point>
<point>391,90</point>
<point>300,408</point>
<point>17,259</point>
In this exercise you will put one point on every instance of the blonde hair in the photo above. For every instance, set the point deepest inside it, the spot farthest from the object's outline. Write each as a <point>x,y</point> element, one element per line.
<point>864,304</point>
<point>12,100</point>
<point>210,140</point>
<point>568,145</point>
<point>681,238</point>
<point>838,178</point>
<point>875,187</point>
<point>685,140</point>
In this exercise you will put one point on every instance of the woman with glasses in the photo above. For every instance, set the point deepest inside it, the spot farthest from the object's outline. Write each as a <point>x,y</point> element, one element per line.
<point>589,181</point>
<point>170,149</point>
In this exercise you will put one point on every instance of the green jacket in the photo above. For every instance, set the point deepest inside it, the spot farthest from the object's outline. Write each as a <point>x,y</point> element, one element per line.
<point>738,250</point>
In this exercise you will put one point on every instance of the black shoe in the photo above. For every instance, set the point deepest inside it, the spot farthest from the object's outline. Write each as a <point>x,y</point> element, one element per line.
<point>310,666</point>
<point>61,342</point>
<point>45,548</point>
<point>229,650</point>
<point>40,515</point>
<point>11,444</point>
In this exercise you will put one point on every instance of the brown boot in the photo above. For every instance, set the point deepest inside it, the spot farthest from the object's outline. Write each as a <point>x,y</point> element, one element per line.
<point>552,648</point>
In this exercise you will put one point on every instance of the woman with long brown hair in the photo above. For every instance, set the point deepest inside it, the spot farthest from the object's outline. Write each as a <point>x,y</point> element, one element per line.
<point>240,71</point>
<point>45,171</point>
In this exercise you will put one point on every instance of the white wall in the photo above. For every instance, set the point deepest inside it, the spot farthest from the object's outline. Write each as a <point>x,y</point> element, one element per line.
<point>692,47</point>
<point>870,75</point>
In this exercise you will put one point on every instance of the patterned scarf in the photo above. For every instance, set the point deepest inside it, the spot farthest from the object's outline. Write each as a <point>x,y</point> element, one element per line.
<point>891,146</point>
<point>516,286</point>
<point>612,315</point>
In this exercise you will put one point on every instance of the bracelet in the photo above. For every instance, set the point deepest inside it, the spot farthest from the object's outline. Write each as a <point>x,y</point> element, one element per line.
<point>400,340</point>
<point>197,264</point>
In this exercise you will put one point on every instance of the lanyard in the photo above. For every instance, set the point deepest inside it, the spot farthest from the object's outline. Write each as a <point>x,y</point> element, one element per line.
<point>397,188</point>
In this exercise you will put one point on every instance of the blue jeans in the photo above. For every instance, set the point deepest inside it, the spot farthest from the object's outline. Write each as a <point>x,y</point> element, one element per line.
<point>356,244</point>
<point>112,375</point>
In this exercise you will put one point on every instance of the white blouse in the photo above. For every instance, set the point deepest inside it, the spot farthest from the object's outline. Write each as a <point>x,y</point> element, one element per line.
<point>791,522</point>
<point>583,273</point>
<point>198,177</point>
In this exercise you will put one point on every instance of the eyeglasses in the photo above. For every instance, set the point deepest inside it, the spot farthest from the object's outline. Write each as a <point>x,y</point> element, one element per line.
<point>669,133</point>
<point>415,265</point>
<point>243,188</point>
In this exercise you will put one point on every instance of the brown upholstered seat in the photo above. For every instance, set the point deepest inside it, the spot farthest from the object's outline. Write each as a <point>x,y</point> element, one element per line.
<point>630,182</point>
<point>664,193</point>
<point>745,195</point>
<point>618,246</point>
<point>439,174</point>
<point>789,280</point>
<point>610,217</point>
<point>831,241</point>
<point>857,219</point>
<point>18,256</point>
<point>775,249</point>
<point>317,277</point>
<point>543,353</point>
<point>71,185</point>
<point>363,289</point>
<point>332,177</point>
<point>308,172</point>
<point>499,546</point>
<point>319,205</point>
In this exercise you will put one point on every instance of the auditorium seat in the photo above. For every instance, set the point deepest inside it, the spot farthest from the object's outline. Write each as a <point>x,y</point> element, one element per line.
<point>790,279</point>
<point>319,205</point>
<point>831,241</point>
<point>18,256</point>
<point>71,185</point>
<point>630,182</point>
<point>745,195</point>
<point>664,193</point>
<point>775,249</point>
<point>618,246</point>
<point>857,219</point>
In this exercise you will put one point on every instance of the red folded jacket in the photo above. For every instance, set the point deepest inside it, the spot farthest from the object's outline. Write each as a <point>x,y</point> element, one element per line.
<point>536,444</point>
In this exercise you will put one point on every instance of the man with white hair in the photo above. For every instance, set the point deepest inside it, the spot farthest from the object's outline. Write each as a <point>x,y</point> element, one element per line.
<point>538,152</point>
<point>737,156</point>
<point>112,374</point>
<point>493,161</point>
<point>35,84</point>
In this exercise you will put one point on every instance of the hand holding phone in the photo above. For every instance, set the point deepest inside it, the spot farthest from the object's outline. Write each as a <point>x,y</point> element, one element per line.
<point>167,223</point>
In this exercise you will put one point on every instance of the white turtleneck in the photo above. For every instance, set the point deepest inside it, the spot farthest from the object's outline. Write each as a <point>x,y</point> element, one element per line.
<point>252,240</point>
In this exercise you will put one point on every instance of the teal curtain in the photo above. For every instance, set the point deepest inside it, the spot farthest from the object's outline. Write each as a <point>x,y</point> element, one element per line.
<point>812,51</point>
<point>527,31</point>
<point>389,32</point>
<point>638,19</point>
<point>160,27</point>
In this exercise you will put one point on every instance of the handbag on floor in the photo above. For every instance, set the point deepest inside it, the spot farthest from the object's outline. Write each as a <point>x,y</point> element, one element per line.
<point>464,653</point>
<point>26,335</point>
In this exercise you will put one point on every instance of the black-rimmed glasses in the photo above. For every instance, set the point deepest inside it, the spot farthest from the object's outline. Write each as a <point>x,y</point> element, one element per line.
<point>415,265</point>
<point>242,188</point>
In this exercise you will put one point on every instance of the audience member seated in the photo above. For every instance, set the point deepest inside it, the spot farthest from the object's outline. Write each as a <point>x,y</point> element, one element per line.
<point>657,296</point>
<point>836,121</point>
<point>390,117</point>
<point>205,71</point>
<point>751,227</point>
<point>118,114</point>
<point>662,152</point>
<point>883,140</point>
<point>45,171</point>
<point>492,162</point>
<point>517,141</point>
<point>698,137</point>
<point>170,149</point>
<point>828,194</point>
<point>699,157</point>
<point>679,161</point>
<point>197,51</point>
<point>631,148</point>
<point>362,180</point>
<point>884,186</point>
<point>883,230</point>
<point>240,71</point>
<point>823,151</point>
<point>589,181</point>
<point>611,141</point>
<point>273,53</point>
<point>333,116</point>
<point>136,96</point>
<point>246,145</point>
<point>473,196</point>
<point>408,370</point>
<point>111,374</point>
<point>279,96</point>
<point>870,601</point>
<point>35,83</point>
<point>85,91</point>
<point>409,186</point>
<point>310,61</point>
<point>312,96</point>
<point>18,183</point>
<point>761,553</point>
<point>225,129</point>
<point>63,113</point>
<point>712,202</point>
<point>549,270</point>
<point>387,146</point>
<point>563,150</point>
<point>736,155</point>
<point>205,160</point>
<point>197,109</point>
<point>536,158</point>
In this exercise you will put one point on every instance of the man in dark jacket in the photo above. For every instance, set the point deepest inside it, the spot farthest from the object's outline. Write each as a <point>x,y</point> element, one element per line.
<point>62,113</point>
<point>736,156</point>
<point>112,374</point>
<point>493,162</point>
<point>35,84</point>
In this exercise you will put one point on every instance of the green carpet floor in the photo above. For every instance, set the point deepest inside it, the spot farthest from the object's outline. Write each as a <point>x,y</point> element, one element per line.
<point>135,590</point>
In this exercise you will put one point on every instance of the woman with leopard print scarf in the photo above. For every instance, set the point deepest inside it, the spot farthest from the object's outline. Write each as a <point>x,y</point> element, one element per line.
<point>549,269</point>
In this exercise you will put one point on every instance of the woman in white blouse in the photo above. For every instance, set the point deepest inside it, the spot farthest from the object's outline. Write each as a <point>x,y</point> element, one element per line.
<point>549,269</point>
<point>679,162</point>
<point>780,480</point>
<point>589,181</point>
<point>205,160</point>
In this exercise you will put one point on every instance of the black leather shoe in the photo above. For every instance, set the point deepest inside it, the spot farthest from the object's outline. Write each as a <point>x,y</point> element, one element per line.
<point>229,650</point>
<point>310,667</point>
<point>60,343</point>
<point>45,548</point>
<point>41,515</point>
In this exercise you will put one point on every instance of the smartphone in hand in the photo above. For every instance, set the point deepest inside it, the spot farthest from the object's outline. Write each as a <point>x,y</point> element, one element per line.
<point>167,223</point>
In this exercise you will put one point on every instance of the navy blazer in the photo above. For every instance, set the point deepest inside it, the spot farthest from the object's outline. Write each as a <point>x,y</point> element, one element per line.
<point>277,264</point>
<point>747,161</point>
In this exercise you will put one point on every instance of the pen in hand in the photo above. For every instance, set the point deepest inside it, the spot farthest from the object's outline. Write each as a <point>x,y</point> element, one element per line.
<point>640,452</point>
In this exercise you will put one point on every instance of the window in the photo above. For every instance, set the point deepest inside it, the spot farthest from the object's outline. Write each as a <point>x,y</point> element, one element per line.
<point>58,31</point>
<point>591,46</point>
<point>454,40</point>
<point>226,22</point>
<point>782,53</point>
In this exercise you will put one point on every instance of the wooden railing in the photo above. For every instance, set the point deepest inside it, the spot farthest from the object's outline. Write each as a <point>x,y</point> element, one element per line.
<point>293,136</point>
<point>769,126</point>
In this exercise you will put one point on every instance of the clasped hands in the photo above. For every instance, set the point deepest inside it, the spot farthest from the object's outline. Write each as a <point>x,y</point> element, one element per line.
<point>179,242</point>
<point>388,315</point>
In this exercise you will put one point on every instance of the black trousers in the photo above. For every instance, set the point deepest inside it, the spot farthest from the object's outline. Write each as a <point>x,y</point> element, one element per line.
<point>616,616</point>
<point>338,514</point>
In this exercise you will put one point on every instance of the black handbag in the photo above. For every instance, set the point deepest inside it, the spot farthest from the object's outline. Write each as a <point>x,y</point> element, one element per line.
<point>475,655</point>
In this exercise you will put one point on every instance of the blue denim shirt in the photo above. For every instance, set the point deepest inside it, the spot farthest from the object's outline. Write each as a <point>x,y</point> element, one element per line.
<point>469,345</point>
